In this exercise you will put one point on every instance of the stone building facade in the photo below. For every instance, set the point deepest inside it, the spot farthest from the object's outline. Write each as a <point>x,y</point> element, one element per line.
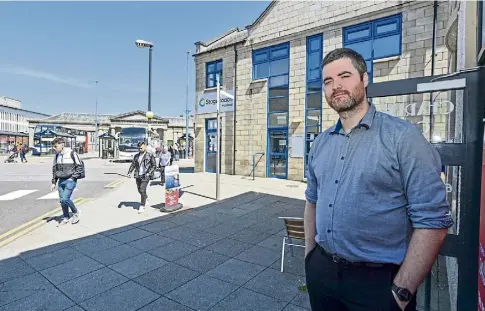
<point>272,66</point>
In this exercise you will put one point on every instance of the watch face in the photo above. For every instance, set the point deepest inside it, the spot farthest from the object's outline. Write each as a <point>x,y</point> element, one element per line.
<point>403,294</point>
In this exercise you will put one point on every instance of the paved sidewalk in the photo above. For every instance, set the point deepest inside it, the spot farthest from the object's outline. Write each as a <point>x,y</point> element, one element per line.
<point>209,256</point>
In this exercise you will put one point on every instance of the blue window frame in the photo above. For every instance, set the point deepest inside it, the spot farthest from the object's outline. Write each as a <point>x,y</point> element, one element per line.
<point>273,63</point>
<point>313,101</point>
<point>211,145</point>
<point>213,69</point>
<point>376,39</point>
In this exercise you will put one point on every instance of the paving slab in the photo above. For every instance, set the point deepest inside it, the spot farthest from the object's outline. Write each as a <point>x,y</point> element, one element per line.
<point>173,250</point>
<point>130,235</point>
<point>244,300</point>
<point>55,258</point>
<point>116,254</point>
<point>163,303</point>
<point>260,255</point>
<point>191,236</point>
<point>138,265</point>
<point>235,271</point>
<point>22,287</point>
<point>13,268</point>
<point>95,245</point>
<point>92,284</point>
<point>275,284</point>
<point>49,299</point>
<point>159,226</point>
<point>202,260</point>
<point>292,307</point>
<point>166,278</point>
<point>202,293</point>
<point>150,242</point>
<point>302,300</point>
<point>71,270</point>
<point>129,296</point>
<point>229,247</point>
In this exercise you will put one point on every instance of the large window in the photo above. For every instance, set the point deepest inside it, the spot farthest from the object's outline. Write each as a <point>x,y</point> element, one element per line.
<point>376,39</point>
<point>273,63</point>
<point>313,103</point>
<point>212,70</point>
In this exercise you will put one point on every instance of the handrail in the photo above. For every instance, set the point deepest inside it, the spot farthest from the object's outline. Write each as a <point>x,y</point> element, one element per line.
<point>254,159</point>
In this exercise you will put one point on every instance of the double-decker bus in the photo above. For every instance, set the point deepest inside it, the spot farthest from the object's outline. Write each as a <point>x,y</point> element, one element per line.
<point>129,137</point>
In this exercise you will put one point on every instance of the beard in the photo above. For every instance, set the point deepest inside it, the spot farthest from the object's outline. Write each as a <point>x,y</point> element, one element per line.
<point>344,101</point>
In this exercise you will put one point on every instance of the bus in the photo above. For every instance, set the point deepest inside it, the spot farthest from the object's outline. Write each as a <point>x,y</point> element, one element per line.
<point>45,133</point>
<point>128,139</point>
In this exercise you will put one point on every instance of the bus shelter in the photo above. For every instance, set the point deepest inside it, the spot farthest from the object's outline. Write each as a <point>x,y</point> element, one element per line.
<point>8,139</point>
<point>43,142</point>
<point>108,146</point>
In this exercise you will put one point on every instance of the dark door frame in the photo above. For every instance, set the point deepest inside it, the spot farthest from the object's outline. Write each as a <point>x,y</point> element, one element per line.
<point>468,155</point>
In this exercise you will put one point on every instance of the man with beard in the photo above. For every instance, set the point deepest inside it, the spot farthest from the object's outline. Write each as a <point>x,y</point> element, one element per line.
<point>376,213</point>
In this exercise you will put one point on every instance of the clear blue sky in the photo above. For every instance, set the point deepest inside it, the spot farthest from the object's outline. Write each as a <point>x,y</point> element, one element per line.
<point>52,52</point>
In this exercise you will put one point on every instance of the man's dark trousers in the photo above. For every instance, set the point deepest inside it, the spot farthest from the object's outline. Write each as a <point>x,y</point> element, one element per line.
<point>141,184</point>
<point>346,287</point>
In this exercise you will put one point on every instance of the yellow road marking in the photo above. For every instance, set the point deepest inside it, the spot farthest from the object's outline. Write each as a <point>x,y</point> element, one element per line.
<point>114,184</point>
<point>34,223</point>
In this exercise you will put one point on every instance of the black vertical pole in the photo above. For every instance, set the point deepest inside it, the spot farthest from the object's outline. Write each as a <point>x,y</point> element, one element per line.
<point>149,88</point>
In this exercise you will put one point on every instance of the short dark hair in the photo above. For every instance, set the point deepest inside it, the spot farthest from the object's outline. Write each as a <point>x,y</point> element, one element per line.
<point>357,60</point>
<point>58,140</point>
<point>140,143</point>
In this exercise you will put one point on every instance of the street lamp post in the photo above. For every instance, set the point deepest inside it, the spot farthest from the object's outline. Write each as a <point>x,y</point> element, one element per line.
<point>149,114</point>
<point>187,111</point>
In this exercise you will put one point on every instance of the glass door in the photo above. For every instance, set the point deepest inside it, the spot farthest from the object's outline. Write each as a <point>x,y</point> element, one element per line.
<point>278,154</point>
<point>211,145</point>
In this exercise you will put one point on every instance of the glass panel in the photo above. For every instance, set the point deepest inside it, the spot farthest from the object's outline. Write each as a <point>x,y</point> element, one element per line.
<point>211,80</point>
<point>451,176</point>
<point>313,117</point>
<point>211,143</point>
<point>314,74</point>
<point>278,165</point>
<point>212,124</point>
<point>278,91</point>
<point>447,113</point>
<point>278,81</point>
<point>219,66</point>
<point>211,162</point>
<point>389,27</point>
<point>358,34</point>
<point>278,104</point>
<point>279,67</point>
<point>315,44</point>
<point>261,71</point>
<point>364,48</point>
<point>314,101</point>
<point>280,52</point>
<point>444,285</point>
<point>315,86</point>
<point>211,68</point>
<point>314,60</point>
<point>277,142</point>
<point>260,57</point>
<point>278,119</point>
<point>387,46</point>
<point>312,132</point>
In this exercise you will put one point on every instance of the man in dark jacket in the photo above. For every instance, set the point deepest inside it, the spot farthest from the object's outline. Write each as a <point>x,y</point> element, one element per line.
<point>144,165</point>
<point>66,170</point>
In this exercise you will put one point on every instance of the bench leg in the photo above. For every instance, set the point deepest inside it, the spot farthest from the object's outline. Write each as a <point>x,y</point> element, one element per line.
<point>283,253</point>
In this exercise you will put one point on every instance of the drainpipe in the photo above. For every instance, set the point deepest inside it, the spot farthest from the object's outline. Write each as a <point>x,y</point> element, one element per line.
<point>234,113</point>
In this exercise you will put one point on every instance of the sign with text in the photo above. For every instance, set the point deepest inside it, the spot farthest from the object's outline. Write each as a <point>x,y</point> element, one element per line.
<point>172,186</point>
<point>207,102</point>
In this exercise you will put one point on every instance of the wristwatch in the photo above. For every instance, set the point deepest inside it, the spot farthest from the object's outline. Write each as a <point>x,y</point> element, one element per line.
<point>402,294</point>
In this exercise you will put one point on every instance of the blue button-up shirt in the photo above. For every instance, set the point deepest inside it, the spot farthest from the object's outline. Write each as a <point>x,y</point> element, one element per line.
<point>372,186</point>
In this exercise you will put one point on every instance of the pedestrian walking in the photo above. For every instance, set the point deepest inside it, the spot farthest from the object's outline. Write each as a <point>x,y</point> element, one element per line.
<point>165,158</point>
<point>376,213</point>
<point>67,168</point>
<point>172,154</point>
<point>144,165</point>
<point>23,151</point>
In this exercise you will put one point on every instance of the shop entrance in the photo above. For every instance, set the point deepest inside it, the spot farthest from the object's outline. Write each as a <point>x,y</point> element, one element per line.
<point>211,145</point>
<point>449,110</point>
<point>278,153</point>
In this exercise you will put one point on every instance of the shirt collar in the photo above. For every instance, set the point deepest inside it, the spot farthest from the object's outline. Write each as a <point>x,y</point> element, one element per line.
<point>365,122</point>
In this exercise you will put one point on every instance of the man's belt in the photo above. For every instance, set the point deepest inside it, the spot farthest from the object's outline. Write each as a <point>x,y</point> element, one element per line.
<point>339,260</point>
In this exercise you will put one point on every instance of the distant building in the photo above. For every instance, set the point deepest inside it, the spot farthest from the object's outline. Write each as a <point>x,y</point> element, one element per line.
<point>169,129</point>
<point>14,122</point>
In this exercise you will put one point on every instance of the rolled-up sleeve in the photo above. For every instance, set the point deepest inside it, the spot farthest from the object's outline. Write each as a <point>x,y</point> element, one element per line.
<point>311,189</point>
<point>420,167</point>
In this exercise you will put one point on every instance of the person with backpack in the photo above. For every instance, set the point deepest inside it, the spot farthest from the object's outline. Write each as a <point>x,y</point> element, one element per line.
<point>67,168</point>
